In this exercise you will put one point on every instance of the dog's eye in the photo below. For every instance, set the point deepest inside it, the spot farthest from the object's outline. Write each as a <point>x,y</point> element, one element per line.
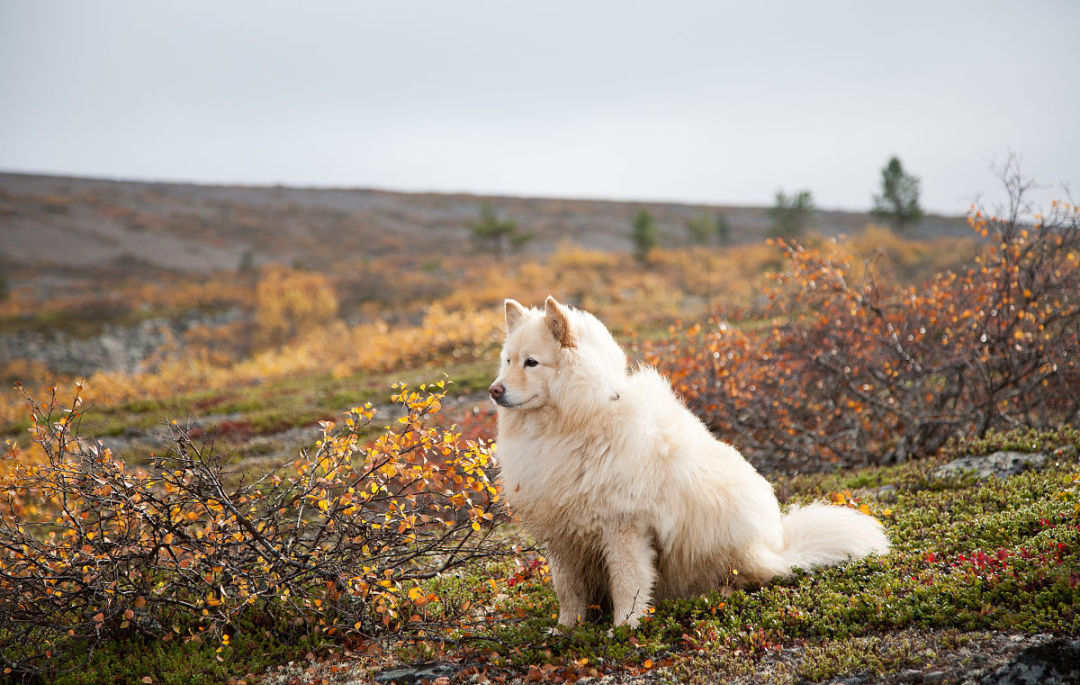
<point>530,362</point>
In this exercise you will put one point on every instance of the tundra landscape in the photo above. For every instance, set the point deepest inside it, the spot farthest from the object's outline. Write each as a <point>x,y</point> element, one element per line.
<point>247,435</point>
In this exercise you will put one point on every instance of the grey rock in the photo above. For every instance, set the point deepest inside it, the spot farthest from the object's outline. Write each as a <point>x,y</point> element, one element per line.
<point>885,493</point>
<point>127,349</point>
<point>1053,663</point>
<point>848,680</point>
<point>999,464</point>
<point>417,673</point>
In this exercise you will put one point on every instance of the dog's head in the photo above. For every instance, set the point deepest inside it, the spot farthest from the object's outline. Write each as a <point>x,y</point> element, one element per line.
<point>557,356</point>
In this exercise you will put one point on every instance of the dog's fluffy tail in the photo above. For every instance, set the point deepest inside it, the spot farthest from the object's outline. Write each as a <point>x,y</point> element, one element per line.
<point>825,534</point>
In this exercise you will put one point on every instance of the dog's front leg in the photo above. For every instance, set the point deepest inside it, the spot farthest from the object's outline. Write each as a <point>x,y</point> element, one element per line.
<point>571,588</point>
<point>631,571</point>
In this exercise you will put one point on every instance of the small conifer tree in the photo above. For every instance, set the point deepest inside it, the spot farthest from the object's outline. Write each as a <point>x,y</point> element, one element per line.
<point>643,235</point>
<point>496,233</point>
<point>899,199</point>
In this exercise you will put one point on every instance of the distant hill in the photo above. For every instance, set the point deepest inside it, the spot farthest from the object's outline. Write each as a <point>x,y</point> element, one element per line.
<point>68,226</point>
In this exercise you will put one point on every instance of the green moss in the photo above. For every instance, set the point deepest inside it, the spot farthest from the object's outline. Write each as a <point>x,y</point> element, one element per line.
<point>241,405</point>
<point>184,662</point>
<point>16,428</point>
<point>968,557</point>
<point>141,406</point>
<point>1065,441</point>
<point>471,377</point>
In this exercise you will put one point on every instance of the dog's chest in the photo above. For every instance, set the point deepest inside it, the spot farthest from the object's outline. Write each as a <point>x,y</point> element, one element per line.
<point>558,481</point>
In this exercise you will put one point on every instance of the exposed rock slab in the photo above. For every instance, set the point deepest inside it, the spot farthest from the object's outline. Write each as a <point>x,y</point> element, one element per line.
<point>998,464</point>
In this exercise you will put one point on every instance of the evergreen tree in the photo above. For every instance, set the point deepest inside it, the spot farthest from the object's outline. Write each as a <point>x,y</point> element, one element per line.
<point>703,228</point>
<point>723,229</point>
<point>899,199</point>
<point>791,215</point>
<point>644,235</point>
<point>495,233</point>
<point>700,228</point>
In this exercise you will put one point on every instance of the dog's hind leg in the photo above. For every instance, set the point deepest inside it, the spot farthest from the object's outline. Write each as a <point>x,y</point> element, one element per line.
<point>632,572</point>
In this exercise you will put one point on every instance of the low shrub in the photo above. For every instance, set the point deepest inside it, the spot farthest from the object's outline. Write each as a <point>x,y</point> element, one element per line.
<point>332,544</point>
<point>840,367</point>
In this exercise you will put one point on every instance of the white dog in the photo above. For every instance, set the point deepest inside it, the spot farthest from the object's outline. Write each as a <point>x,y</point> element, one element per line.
<point>631,495</point>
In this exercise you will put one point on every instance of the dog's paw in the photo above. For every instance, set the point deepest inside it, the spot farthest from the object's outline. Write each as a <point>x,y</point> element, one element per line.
<point>631,620</point>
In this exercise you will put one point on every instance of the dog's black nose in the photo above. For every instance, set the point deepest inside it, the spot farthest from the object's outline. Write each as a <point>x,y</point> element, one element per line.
<point>497,390</point>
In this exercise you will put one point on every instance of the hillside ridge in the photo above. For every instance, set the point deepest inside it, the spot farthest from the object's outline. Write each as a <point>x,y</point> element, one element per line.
<point>68,226</point>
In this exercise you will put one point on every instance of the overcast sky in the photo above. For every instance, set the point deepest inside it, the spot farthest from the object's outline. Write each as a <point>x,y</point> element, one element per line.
<point>695,101</point>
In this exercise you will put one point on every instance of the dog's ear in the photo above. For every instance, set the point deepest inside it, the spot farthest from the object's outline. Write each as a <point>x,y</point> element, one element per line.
<point>515,314</point>
<point>557,322</point>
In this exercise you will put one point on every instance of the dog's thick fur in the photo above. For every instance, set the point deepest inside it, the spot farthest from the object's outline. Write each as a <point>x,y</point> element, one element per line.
<point>631,495</point>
